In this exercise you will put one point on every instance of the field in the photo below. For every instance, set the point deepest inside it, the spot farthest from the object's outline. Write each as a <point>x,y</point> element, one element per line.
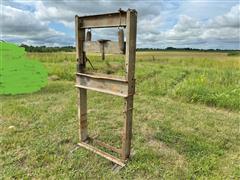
<point>185,124</point>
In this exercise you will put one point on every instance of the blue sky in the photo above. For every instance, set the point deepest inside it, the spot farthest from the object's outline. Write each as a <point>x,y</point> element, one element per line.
<point>178,23</point>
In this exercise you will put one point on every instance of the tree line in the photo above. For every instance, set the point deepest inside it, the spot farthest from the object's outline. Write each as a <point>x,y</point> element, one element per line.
<point>72,49</point>
<point>187,49</point>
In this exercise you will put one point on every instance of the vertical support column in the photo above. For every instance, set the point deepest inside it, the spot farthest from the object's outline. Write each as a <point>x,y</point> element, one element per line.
<point>130,70</point>
<point>81,65</point>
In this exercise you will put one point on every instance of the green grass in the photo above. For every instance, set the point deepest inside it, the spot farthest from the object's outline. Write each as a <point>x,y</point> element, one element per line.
<point>185,124</point>
<point>234,53</point>
<point>219,88</point>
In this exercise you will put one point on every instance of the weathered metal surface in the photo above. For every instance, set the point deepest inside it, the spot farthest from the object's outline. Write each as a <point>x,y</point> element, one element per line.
<point>108,47</point>
<point>131,32</point>
<point>104,20</point>
<point>124,86</point>
<point>82,94</point>
<point>103,84</point>
<point>121,42</point>
<point>89,35</point>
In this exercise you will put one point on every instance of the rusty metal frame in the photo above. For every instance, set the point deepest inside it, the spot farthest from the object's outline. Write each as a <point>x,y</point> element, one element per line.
<point>121,86</point>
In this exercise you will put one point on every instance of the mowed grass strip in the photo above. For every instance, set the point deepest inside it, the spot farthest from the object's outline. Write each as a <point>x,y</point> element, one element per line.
<point>174,137</point>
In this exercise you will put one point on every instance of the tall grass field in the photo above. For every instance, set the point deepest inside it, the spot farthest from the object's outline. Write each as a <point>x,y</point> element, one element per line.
<point>185,124</point>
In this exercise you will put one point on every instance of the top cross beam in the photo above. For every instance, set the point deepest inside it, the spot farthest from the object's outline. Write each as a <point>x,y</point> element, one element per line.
<point>117,19</point>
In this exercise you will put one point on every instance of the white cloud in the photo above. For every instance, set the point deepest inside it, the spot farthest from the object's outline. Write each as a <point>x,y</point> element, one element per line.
<point>230,19</point>
<point>160,24</point>
<point>205,9</point>
<point>151,24</point>
<point>221,30</point>
<point>20,24</point>
<point>186,28</point>
<point>225,28</point>
<point>51,13</point>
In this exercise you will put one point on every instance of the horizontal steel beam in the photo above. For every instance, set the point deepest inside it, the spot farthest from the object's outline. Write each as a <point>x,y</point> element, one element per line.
<point>110,47</point>
<point>103,84</point>
<point>104,20</point>
<point>102,153</point>
<point>105,145</point>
